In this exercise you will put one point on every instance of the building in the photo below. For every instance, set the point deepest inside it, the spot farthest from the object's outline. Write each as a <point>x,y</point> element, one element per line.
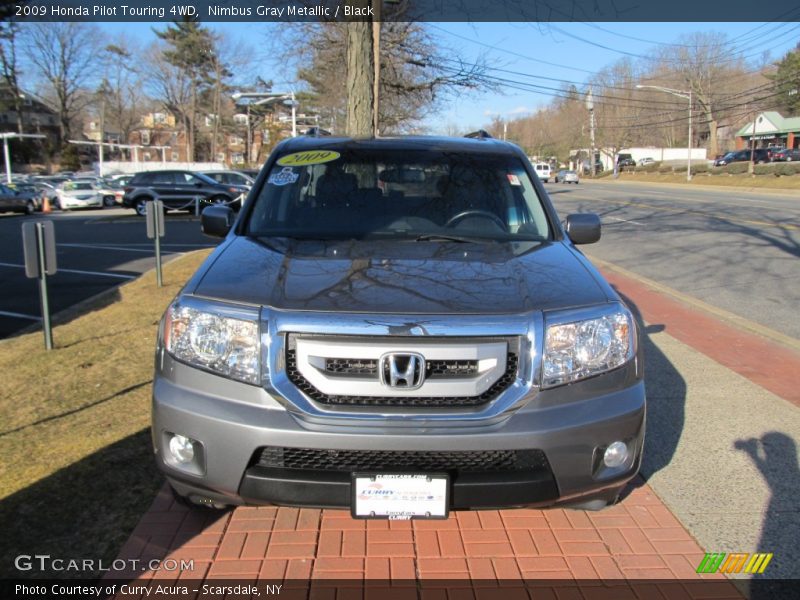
<point>770,129</point>
<point>37,116</point>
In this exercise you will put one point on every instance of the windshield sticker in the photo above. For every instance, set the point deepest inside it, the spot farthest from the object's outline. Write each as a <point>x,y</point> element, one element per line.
<point>310,157</point>
<point>513,179</point>
<point>283,177</point>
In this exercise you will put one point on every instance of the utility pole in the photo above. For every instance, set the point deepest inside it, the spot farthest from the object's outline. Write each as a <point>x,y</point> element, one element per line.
<point>590,108</point>
<point>752,145</point>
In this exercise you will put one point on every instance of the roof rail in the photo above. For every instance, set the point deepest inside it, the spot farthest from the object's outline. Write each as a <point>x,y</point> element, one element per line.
<point>317,131</point>
<point>481,134</point>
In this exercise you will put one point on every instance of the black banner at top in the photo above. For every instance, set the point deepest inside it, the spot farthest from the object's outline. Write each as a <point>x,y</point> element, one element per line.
<point>400,10</point>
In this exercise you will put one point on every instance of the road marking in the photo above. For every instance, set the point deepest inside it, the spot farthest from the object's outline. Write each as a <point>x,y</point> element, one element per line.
<point>77,271</point>
<point>6,313</point>
<point>623,220</point>
<point>720,313</point>
<point>96,247</point>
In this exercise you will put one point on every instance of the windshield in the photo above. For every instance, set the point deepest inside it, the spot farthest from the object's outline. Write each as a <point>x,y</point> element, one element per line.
<point>404,194</point>
<point>77,185</point>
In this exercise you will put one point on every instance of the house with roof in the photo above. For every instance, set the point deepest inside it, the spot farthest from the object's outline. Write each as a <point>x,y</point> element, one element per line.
<point>770,128</point>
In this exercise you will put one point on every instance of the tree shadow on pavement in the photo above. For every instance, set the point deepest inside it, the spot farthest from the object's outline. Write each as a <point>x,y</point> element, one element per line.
<point>775,455</point>
<point>666,399</point>
<point>85,510</point>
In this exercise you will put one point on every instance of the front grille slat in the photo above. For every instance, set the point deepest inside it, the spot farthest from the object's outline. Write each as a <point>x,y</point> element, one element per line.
<point>312,392</point>
<point>436,369</point>
<point>399,460</point>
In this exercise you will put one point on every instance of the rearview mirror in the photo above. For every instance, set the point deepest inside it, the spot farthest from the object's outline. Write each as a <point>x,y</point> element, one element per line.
<point>216,221</point>
<point>583,228</point>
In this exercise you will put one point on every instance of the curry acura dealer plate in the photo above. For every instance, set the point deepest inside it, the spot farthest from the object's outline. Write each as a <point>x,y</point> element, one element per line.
<point>400,496</point>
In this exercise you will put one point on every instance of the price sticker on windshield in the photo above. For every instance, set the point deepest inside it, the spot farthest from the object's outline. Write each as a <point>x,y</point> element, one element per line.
<point>310,157</point>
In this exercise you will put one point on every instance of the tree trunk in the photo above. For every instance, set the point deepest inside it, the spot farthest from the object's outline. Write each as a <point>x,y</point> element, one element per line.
<point>712,136</point>
<point>360,79</point>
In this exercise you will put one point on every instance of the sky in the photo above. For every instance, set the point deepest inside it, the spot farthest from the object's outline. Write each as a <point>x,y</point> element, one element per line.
<point>563,51</point>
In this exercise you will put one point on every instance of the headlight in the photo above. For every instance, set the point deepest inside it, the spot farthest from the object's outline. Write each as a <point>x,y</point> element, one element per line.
<point>580,349</point>
<point>210,340</point>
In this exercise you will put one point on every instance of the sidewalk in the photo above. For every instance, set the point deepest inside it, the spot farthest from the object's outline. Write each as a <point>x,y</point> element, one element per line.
<point>713,389</point>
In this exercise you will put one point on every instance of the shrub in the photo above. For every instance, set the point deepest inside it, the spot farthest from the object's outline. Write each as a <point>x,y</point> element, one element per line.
<point>717,170</point>
<point>700,168</point>
<point>764,169</point>
<point>787,169</point>
<point>737,167</point>
<point>665,169</point>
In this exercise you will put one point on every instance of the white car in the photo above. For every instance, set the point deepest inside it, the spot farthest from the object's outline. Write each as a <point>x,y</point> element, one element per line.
<point>543,171</point>
<point>78,194</point>
<point>646,161</point>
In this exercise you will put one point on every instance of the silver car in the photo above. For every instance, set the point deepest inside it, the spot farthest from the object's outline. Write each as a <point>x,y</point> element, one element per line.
<point>401,327</point>
<point>78,194</point>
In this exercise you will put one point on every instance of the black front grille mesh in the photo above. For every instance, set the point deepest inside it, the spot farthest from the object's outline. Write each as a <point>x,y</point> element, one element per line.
<point>399,460</point>
<point>414,401</point>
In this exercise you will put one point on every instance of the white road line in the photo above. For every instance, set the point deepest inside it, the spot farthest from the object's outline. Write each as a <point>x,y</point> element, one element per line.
<point>624,220</point>
<point>5,313</point>
<point>93,247</point>
<point>97,273</point>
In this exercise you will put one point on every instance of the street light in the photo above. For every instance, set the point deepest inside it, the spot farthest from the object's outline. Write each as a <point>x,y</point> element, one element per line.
<point>680,94</point>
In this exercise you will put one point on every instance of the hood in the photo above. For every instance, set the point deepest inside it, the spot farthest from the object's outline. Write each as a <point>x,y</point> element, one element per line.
<point>401,277</point>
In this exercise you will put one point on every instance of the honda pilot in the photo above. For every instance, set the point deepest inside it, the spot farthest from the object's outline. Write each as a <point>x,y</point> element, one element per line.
<point>400,327</point>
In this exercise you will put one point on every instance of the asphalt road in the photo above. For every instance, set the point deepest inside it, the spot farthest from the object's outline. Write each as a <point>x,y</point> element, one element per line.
<point>96,250</point>
<point>733,250</point>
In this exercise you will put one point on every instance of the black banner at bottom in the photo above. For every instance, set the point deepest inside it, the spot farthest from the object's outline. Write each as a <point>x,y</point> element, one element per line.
<point>400,589</point>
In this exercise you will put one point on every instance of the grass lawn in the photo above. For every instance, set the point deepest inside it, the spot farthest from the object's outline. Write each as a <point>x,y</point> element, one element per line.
<point>741,181</point>
<point>77,469</point>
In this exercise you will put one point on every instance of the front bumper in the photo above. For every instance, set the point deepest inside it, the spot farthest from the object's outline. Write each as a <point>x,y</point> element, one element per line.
<point>570,425</point>
<point>67,202</point>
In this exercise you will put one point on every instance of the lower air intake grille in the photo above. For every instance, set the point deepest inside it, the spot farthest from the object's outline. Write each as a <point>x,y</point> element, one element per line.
<point>276,457</point>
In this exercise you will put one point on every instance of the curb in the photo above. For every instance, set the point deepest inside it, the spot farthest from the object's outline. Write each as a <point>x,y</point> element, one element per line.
<point>697,186</point>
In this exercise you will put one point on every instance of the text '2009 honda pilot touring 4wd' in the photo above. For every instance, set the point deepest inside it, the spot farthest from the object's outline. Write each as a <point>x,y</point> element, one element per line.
<point>401,327</point>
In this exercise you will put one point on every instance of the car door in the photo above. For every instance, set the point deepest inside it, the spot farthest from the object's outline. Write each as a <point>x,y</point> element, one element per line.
<point>190,187</point>
<point>163,184</point>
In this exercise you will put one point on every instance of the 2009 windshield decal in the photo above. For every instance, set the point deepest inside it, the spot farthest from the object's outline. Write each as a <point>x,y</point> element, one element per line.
<point>309,157</point>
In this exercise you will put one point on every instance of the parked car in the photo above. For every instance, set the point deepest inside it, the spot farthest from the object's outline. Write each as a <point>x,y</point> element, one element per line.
<point>786,155</point>
<point>451,347</point>
<point>111,191</point>
<point>760,155</point>
<point>566,176</point>
<point>230,178</point>
<point>178,190</point>
<point>36,191</point>
<point>543,171</point>
<point>626,162</point>
<point>251,173</point>
<point>78,194</point>
<point>643,162</point>
<point>17,201</point>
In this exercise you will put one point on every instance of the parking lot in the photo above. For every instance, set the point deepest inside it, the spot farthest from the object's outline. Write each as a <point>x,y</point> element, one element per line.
<point>96,250</point>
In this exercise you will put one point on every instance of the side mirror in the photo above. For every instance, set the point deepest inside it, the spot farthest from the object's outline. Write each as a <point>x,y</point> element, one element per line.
<point>216,221</point>
<point>583,228</point>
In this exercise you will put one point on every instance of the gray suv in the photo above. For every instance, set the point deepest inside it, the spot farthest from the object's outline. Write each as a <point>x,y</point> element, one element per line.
<point>400,327</point>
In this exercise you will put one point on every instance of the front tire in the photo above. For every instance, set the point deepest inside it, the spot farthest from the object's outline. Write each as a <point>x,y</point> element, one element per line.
<point>108,201</point>
<point>30,207</point>
<point>140,206</point>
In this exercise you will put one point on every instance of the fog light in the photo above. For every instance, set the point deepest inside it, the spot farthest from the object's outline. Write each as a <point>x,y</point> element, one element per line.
<point>181,448</point>
<point>616,454</point>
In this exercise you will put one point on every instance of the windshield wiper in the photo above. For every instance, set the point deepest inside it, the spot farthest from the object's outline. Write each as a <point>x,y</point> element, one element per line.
<point>446,237</point>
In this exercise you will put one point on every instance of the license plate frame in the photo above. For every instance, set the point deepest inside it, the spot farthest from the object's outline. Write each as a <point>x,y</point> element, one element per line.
<point>406,486</point>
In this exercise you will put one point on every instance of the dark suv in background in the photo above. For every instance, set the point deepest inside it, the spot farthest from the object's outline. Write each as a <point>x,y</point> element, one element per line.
<point>178,190</point>
<point>760,155</point>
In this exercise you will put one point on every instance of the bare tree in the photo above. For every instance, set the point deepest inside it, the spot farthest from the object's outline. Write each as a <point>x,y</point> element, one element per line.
<point>10,68</point>
<point>123,81</point>
<point>65,57</point>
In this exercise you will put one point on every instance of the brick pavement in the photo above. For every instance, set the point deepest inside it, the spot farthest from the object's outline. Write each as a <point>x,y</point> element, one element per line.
<point>585,553</point>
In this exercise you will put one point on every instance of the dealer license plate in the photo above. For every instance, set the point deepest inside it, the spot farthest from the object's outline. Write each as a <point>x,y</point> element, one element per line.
<point>400,496</point>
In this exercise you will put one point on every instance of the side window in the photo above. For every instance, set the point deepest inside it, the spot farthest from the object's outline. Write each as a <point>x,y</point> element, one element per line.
<point>188,178</point>
<point>162,179</point>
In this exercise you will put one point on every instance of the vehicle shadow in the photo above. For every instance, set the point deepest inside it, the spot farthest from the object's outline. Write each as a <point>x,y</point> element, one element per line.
<point>666,399</point>
<point>775,455</point>
<point>85,510</point>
